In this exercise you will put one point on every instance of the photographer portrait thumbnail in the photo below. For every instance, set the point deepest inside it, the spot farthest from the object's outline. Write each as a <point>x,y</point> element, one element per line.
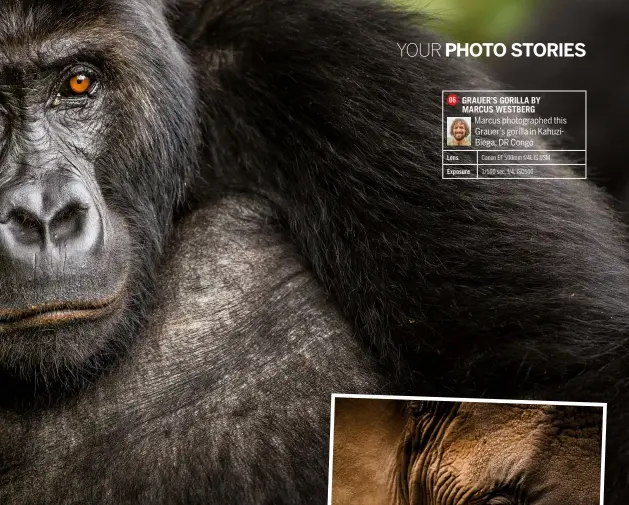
<point>459,131</point>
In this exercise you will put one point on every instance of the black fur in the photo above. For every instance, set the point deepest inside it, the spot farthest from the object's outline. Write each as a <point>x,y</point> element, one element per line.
<point>484,288</point>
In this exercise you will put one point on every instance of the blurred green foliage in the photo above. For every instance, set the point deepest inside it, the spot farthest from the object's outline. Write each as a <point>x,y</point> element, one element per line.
<point>476,20</point>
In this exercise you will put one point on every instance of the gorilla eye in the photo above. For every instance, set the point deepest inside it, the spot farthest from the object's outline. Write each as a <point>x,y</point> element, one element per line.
<point>79,84</point>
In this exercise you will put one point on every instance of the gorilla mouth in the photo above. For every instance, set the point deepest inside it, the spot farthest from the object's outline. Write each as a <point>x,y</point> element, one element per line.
<point>55,313</point>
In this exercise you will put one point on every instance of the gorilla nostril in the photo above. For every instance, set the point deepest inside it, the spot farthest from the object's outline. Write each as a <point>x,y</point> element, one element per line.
<point>26,227</point>
<point>24,218</point>
<point>68,222</point>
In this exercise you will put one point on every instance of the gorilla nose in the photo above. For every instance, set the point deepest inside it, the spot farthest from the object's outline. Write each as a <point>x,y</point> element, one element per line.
<point>45,217</point>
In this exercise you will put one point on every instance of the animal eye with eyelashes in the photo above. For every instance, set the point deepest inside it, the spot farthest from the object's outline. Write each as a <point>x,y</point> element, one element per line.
<point>79,82</point>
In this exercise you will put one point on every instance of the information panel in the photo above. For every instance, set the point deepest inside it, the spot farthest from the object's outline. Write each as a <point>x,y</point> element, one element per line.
<point>512,135</point>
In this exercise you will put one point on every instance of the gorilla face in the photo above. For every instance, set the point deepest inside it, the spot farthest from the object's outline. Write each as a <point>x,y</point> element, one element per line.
<point>96,127</point>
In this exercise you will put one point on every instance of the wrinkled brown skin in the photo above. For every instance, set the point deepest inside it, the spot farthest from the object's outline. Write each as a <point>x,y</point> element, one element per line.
<point>469,452</point>
<point>366,436</point>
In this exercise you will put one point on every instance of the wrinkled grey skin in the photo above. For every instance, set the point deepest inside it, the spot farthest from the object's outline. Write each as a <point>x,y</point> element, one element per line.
<point>442,453</point>
<point>245,341</point>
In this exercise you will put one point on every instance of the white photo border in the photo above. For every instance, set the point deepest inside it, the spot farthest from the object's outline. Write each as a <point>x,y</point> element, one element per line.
<point>467,400</point>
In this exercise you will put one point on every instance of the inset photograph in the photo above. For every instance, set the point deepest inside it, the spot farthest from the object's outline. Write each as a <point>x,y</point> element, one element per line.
<point>459,131</point>
<point>440,451</point>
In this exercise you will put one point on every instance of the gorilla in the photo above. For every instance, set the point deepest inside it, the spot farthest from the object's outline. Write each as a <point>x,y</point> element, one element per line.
<point>214,214</point>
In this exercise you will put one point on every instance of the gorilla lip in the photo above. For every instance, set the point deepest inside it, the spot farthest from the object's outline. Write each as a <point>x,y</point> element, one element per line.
<point>54,313</point>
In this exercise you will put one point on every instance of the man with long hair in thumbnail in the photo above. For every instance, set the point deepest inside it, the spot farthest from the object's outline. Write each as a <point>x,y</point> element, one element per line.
<point>459,133</point>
